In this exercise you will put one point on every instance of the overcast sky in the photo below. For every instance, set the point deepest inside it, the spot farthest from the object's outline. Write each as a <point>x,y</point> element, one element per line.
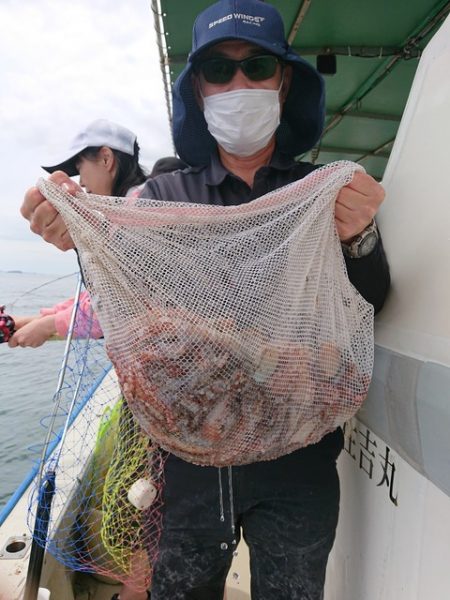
<point>62,65</point>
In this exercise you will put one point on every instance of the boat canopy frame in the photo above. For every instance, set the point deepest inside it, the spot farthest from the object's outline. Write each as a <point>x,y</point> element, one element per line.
<point>369,50</point>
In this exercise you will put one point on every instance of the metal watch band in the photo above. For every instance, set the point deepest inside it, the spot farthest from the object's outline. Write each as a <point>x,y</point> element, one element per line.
<point>355,248</point>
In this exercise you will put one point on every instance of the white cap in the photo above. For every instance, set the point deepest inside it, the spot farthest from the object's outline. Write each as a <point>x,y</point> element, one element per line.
<point>98,133</point>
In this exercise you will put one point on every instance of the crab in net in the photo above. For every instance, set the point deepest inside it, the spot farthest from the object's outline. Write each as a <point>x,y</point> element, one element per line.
<point>217,395</point>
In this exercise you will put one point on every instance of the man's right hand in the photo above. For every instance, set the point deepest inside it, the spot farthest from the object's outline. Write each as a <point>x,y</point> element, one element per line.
<point>44,219</point>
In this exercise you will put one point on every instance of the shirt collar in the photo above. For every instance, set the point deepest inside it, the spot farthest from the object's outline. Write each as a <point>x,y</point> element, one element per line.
<point>281,161</point>
<point>216,172</point>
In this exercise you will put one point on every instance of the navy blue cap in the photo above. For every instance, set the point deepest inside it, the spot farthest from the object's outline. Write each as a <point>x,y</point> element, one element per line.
<point>261,24</point>
<point>254,21</point>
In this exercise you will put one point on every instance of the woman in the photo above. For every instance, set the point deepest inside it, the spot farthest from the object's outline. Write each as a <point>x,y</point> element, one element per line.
<point>106,157</point>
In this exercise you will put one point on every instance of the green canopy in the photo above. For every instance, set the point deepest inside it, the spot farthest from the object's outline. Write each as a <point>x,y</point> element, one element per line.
<point>374,45</point>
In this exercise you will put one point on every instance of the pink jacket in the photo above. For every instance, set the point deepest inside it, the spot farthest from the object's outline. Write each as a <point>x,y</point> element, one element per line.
<point>86,323</point>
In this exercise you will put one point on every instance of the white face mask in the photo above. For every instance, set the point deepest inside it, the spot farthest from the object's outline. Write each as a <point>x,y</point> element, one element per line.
<point>243,121</point>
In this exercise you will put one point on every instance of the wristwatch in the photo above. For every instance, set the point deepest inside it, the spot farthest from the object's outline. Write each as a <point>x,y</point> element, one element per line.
<point>364,243</point>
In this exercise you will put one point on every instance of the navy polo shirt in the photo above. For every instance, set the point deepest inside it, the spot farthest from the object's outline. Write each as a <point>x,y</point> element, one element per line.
<point>214,184</point>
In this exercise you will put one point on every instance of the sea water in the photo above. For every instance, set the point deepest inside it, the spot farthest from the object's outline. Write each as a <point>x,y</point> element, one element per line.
<point>28,376</point>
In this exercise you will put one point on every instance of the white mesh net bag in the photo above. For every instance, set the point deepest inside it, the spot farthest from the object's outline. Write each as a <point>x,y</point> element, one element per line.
<point>235,332</point>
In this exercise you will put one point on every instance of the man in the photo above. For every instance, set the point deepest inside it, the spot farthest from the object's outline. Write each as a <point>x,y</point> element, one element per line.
<point>244,107</point>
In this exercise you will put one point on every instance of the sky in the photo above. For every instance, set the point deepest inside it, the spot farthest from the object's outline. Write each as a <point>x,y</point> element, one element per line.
<point>62,65</point>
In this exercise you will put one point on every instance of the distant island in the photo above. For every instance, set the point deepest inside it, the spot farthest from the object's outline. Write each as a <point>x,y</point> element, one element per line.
<point>53,275</point>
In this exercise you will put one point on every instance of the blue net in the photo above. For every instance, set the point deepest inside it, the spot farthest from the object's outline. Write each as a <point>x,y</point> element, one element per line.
<point>97,453</point>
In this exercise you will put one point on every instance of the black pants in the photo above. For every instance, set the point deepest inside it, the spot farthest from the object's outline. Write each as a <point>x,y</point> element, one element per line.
<point>286,509</point>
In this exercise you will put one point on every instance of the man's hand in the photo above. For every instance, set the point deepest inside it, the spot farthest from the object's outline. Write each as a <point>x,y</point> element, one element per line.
<point>44,219</point>
<point>356,205</point>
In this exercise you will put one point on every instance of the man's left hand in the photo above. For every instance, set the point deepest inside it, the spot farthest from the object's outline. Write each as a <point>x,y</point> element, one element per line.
<point>356,205</point>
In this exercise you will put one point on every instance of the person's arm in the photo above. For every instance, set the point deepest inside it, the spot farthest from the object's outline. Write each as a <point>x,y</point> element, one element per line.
<point>34,333</point>
<point>356,206</point>
<point>52,310</point>
<point>86,323</point>
<point>370,275</point>
<point>24,320</point>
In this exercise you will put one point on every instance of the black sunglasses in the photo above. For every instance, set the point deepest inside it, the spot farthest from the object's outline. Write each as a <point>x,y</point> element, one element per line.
<point>222,70</point>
